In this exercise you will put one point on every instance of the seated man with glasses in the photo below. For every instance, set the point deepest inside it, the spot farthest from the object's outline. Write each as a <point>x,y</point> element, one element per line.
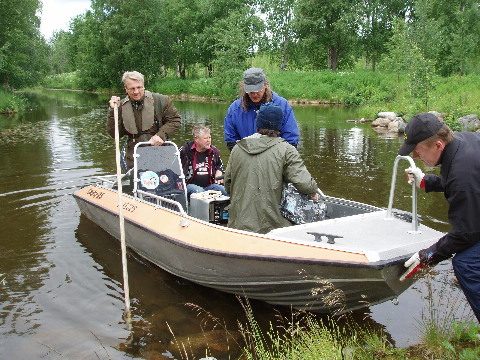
<point>143,115</point>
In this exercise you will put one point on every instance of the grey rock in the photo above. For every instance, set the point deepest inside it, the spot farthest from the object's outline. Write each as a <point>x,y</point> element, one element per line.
<point>469,122</point>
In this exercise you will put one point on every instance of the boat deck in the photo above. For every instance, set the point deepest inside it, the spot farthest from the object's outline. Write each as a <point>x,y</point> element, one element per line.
<point>371,234</point>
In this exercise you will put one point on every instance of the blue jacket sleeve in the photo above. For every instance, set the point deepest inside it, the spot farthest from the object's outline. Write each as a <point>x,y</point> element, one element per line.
<point>229,128</point>
<point>289,129</point>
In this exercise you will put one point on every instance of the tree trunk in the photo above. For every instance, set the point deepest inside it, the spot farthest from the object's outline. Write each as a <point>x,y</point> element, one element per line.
<point>5,84</point>
<point>332,58</point>
<point>182,72</point>
<point>283,65</point>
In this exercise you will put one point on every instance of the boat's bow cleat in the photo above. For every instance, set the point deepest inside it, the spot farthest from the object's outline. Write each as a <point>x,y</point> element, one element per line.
<point>330,237</point>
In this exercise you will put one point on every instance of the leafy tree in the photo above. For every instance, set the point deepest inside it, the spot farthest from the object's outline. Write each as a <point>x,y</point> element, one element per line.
<point>23,50</point>
<point>330,24</point>
<point>208,15</point>
<point>91,56</point>
<point>236,42</point>
<point>61,58</point>
<point>406,57</point>
<point>118,36</point>
<point>279,19</point>
<point>182,17</point>
<point>454,27</point>
<point>376,23</point>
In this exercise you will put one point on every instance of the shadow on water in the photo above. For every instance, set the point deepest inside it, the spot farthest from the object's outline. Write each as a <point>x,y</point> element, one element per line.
<point>61,281</point>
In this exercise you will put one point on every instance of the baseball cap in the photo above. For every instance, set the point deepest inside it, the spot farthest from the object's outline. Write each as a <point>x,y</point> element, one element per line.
<point>253,80</point>
<point>270,116</point>
<point>421,127</point>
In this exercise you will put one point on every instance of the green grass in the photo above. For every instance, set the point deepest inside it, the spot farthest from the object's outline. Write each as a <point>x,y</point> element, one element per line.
<point>11,103</point>
<point>309,338</point>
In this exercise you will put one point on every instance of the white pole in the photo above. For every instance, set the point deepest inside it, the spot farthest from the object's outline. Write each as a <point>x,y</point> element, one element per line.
<point>120,215</point>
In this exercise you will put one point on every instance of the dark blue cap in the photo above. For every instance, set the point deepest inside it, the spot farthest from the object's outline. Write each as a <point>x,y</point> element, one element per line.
<point>270,116</point>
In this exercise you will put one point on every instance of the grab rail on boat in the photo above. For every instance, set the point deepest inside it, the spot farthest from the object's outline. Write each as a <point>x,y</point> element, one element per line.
<point>321,194</point>
<point>414,192</point>
<point>110,179</point>
<point>160,200</point>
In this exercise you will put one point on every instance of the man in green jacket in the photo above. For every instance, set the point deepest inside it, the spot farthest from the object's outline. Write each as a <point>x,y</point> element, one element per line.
<point>255,173</point>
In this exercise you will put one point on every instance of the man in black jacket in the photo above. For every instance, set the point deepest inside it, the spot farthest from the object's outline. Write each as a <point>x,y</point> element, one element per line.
<point>201,162</point>
<point>434,144</point>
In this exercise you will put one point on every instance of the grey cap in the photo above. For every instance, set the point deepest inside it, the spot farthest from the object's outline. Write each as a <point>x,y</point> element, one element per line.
<point>253,80</point>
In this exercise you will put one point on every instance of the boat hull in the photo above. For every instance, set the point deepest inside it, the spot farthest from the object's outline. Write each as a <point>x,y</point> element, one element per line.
<point>251,265</point>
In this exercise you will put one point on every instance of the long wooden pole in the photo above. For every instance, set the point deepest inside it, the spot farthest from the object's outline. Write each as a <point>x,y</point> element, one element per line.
<point>121,218</point>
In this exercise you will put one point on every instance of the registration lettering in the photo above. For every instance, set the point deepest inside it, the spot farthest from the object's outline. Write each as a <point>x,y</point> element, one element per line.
<point>95,194</point>
<point>129,207</point>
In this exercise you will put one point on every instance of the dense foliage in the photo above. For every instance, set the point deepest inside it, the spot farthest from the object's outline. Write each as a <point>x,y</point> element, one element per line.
<point>421,39</point>
<point>23,52</point>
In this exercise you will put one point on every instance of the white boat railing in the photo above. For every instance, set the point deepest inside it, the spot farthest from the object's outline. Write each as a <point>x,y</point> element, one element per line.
<point>110,179</point>
<point>160,201</point>
<point>414,193</point>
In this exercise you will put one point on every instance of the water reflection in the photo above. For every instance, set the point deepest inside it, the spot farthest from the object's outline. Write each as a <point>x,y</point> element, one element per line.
<point>62,292</point>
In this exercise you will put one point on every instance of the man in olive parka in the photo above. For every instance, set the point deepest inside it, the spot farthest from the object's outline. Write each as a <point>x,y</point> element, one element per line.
<point>255,173</point>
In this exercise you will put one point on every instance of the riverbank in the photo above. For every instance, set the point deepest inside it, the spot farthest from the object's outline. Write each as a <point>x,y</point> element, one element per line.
<point>372,92</point>
<point>309,339</point>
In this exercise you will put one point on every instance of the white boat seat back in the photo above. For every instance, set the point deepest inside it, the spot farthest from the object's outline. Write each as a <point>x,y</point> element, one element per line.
<point>157,170</point>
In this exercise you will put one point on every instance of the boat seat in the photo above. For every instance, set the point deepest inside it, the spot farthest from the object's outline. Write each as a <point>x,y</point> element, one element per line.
<point>157,170</point>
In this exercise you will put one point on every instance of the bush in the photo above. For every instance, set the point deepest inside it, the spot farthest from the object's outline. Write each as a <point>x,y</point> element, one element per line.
<point>70,80</point>
<point>11,103</point>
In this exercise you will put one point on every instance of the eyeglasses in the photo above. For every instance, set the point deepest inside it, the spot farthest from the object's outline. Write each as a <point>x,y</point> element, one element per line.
<point>138,88</point>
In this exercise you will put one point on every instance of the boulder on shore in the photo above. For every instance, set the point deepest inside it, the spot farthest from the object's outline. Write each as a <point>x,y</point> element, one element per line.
<point>388,123</point>
<point>469,123</point>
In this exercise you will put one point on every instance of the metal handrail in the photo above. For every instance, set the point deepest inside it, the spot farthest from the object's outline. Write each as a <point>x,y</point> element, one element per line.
<point>414,192</point>
<point>159,199</point>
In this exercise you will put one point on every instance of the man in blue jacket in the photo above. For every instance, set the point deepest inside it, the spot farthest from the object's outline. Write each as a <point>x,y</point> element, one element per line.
<point>434,144</point>
<point>241,117</point>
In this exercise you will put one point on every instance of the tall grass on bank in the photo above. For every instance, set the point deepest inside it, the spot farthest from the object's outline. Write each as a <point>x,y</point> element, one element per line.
<point>304,337</point>
<point>11,103</point>
<point>447,334</point>
<point>307,338</point>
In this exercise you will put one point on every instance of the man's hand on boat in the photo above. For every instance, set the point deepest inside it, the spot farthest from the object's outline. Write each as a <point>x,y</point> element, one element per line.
<point>415,263</point>
<point>415,176</point>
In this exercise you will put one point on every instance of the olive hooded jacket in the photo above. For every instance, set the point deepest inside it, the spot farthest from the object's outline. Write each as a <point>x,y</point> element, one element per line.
<point>254,178</point>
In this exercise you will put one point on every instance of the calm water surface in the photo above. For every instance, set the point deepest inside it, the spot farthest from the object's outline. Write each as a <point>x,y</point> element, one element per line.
<point>61,290</point>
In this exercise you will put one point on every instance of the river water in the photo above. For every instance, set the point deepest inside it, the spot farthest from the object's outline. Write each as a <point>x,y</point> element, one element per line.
<point>61,290</point>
